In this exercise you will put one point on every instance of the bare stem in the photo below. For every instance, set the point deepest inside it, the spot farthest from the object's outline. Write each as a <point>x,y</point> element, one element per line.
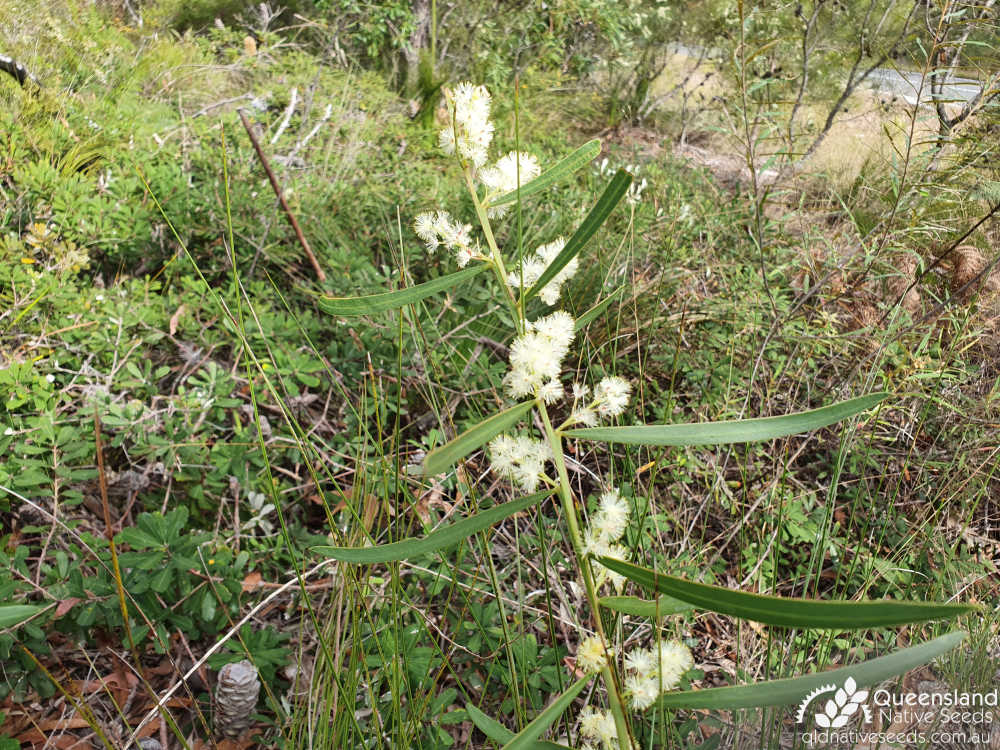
<point>576,538</point>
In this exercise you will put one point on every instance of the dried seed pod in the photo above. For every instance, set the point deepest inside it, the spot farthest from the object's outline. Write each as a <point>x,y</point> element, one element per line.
<point>969,263</point>
<point>235,698</point>
<point>902,286</point>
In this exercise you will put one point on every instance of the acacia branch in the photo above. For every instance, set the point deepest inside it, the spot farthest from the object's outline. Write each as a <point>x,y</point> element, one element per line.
<point>804,80</point>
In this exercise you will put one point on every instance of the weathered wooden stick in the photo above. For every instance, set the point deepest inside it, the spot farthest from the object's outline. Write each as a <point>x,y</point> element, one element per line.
<point>281,197</point>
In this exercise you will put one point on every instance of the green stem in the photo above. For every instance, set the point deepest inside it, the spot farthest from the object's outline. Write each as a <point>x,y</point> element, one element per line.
<point>576,538</point>
<point>498,265</point>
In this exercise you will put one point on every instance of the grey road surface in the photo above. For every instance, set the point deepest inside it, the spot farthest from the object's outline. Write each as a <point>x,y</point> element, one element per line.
<point>904,84</point>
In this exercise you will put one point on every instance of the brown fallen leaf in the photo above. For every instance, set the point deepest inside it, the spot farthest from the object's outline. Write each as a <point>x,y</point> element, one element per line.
<point>65,605</point>
<point>239,744</point>
<point>70,742</point>
<point>73,722</point>
<point>175,319</point>
<point>251,582</point>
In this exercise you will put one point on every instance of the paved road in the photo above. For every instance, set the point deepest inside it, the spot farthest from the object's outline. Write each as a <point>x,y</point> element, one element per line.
<point>904,84</point>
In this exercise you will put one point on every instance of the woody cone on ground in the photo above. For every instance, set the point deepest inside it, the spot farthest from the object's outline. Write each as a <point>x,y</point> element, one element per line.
<point>235,698</point>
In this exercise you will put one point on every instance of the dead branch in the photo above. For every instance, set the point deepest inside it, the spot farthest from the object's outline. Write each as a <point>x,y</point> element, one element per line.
<point>281,197</point>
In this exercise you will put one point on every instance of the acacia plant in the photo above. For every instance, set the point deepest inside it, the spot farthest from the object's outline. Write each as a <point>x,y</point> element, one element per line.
<point>534,463</point>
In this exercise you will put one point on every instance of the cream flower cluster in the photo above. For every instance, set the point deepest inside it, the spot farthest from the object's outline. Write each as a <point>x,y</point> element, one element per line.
<point>533,266</point>
<point>470,132</point>
<point>503,177</point>
<point>536,358</point>
<point>437,228</point>
<point>606,527</point>
<point>598,726</point>
<point>611,396</point>
<point>592,656</point>
<point>655,671</point>
<point>520,459</point>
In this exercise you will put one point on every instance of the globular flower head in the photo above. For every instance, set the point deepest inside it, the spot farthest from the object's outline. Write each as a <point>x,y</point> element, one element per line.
<point>643,689</point>
<point>612,516</point>
<point>584,415</point>
<point>598,726</point>
<point>438,228</point>
<point>675,659</point>
<point>640,660</point>
<point>536,356</point>
<point>655,671</point>
<point>470,132</point>
<point>606,527</point>
<point>611,396</point>
<point>533,266</point>
<point>551,392</point>
<point>520,459</point>
<point>597,545</point>
<point>591,656</point>
<point>503,177</point>
<point>425,225</point>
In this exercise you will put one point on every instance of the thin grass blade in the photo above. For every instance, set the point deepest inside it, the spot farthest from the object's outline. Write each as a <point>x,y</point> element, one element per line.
<point>790,691</point>
<point>376,303</point>
<point>439,539</point>
<point>735,431</point>
<point>563,168</point>
<point>526,737</point>
<point>788,612</point>
<point>441,459</point>
<point>610,198</point>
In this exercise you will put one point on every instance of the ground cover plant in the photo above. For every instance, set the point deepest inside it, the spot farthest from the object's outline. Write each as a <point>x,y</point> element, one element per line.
<point>620,408</point>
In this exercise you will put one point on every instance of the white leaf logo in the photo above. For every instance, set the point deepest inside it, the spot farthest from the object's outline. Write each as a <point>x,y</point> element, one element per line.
<point>837,710</point>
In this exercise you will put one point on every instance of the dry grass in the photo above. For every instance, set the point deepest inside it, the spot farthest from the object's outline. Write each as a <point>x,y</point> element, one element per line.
<point>869,135</point>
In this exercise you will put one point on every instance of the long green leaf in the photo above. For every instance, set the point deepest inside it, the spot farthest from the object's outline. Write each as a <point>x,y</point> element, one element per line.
<point>786,612</point>
<point>501,734</point>
<point>441,459</point>
<point>375,303</point>
<point>612,194</point>
<point>735,431</point>
<point>15,614</point>
<point>563,168</point>
<point>488,725</point>
<point>588,317</point>
<point>631,605</point>
<point>790,691</point>
<point>526,737</point>
<point>439,539</point>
